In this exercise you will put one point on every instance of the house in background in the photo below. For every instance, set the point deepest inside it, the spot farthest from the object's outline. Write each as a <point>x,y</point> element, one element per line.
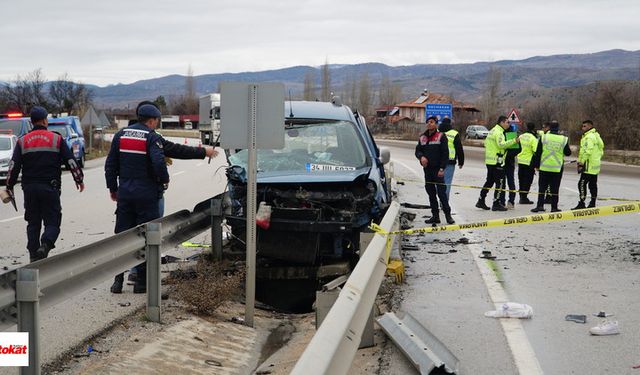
<point>414,110</point>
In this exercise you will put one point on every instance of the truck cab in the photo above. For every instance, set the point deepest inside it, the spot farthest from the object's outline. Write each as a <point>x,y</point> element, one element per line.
<point>209,126</point>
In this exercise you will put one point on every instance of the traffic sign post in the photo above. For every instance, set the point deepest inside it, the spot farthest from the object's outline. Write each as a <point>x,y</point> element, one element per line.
<point>242,106</point>
<point>513,116</point>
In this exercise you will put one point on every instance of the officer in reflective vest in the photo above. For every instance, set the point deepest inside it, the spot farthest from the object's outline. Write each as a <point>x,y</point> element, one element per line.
<point>494,154</point>
<point>456,152</point>
<point>40,155</point>
<point>136,176</point>
<point>549,158</point>
<point>510,166</point>
<point>529,145</point>
<point>589,157</point>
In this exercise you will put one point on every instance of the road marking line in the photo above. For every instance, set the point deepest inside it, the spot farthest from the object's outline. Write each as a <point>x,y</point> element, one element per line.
<point>177,173</point>
<point>571,190</point>
<point>407,167</point>
<point>523,355</point>
<point>10,219</point>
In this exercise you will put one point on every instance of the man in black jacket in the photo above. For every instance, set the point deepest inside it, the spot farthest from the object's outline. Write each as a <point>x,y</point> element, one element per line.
<point>433,152</point>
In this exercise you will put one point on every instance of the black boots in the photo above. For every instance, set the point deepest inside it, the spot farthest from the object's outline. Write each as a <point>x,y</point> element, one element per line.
<point>497,206</point>
<point>449,218</point>
<point>525,200</point>
<point>579,206</point>
<point>116,288</point>
<point>592,203</point>
<point>435,219</point>
<point>538,209</point>
<point>43,250</point>
<point>482,205</point>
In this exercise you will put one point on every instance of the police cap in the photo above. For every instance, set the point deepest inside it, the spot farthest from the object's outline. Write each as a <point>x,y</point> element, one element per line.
<point>38,113</point>
<point>149,110</point>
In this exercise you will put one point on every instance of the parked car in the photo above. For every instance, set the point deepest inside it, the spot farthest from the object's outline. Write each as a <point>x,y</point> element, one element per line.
<point>324,188</point>
<point>74,141</point>
<point>477,131</point>
<point>17,126</point>
<point>7,145</point>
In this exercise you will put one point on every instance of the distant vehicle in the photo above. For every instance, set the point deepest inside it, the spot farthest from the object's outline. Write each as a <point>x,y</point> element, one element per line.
<point>74,141</point>
<point>209,124</point>
<point>74,136</point>
<point>7,145</point>
<point>15,125</point>
<point>188,125</point>
<point>477,131</point>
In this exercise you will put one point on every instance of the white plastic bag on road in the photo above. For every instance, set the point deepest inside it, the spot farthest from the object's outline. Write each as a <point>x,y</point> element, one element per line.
<point>511,310</point>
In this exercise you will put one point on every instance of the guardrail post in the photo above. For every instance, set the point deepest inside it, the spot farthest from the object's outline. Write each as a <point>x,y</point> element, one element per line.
<point>154,239</point>
<point>216,228</point>
<point>27,297</point>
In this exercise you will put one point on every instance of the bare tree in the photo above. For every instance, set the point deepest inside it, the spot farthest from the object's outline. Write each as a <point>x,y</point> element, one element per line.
<point>309,85</point>
<point>325,94</point>
<point>388,94</point>
<point>490,98</point>
<point>365,96</point>
<point>68,96</point>
<point>191,100</point>
<point>24,92</point>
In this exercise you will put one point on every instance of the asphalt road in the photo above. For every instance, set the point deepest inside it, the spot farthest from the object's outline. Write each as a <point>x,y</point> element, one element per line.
<point>569,267</point>
<point>86,218</point>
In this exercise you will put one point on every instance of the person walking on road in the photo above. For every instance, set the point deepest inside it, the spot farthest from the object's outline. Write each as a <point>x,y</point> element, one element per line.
<point>456,153</point>
<point>494,157</point>
<point>136,176</point>
<point>433,152</point>
<point>40,155</point>
<point>528,145</point>
<point>589,158</point>
<point>549,158</point>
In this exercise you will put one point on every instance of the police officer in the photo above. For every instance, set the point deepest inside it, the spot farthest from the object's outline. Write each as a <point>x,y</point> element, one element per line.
<point>510,166</point>
<point>494,158</point>
<point>589,157</point>
<point>549,158</point>
<point>528,145</point>
<point>40,154</point>
<point>136,175</point>
<point>456,152</point>
<point>433,152</point>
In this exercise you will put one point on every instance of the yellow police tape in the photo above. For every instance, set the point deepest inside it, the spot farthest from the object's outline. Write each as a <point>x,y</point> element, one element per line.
<point>510,191</point>
<point>585,213</point>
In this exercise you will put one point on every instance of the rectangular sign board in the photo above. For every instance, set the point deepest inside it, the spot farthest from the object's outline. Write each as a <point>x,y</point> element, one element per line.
<point>235,107</point>
<point>439,110</point>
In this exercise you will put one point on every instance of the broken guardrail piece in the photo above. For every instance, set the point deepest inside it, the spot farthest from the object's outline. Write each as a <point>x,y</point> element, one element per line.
<point>420,346</point>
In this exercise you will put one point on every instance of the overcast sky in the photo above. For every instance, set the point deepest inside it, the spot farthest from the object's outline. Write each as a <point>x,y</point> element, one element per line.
<point>117,41</point>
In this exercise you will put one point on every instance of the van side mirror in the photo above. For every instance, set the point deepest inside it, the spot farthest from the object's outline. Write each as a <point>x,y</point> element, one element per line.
<point>385,155</point>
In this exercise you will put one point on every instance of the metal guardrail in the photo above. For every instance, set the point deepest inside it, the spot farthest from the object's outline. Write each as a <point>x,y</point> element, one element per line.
<point>39,285</point>
<point>333,347</point>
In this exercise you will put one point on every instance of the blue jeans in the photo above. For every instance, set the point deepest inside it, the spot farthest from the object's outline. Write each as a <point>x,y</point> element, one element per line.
<point>448,177</point>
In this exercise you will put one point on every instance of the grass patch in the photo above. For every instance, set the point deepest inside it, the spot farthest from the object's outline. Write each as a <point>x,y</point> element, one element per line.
<point>206,286</point>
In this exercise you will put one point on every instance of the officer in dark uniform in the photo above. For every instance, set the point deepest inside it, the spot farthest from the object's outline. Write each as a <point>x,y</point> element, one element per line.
<point>40,154</point>
<point>136,175</point>
<point>433,152</point>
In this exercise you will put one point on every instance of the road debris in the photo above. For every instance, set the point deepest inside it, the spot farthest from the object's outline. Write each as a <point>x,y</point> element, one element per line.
<point>606,328</point>
<point>602,314</point>
<point>576,318</point>
<point>124,304</point>
<point>511,310</point>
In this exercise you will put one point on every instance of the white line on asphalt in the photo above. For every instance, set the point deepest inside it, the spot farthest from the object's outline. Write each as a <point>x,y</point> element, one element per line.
<point>407,167</point>
<point>177,173</point>
<point>10,219</point>
<point>571,190</point>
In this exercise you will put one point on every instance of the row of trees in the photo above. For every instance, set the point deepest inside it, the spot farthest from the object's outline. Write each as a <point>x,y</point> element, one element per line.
<point>61,95</point>
<point>357,91</point>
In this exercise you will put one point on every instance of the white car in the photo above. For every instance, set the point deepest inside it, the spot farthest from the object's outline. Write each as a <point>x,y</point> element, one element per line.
<point>477,131</point>
<point>7,145</point>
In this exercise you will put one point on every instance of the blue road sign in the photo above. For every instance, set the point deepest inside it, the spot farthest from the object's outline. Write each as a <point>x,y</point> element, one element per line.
<point>439,110</point>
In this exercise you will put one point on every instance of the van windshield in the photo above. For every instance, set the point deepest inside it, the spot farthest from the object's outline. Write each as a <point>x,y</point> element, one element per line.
<point>5,144</point>
<point>14,126</point>
<point>313,147</point>
<point>62,130</point>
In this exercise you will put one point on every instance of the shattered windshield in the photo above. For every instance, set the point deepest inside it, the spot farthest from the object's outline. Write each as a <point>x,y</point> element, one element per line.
<point>312,148</point>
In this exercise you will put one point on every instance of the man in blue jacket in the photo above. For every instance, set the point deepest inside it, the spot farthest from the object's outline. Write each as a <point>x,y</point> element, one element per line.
<point>136,175</point>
